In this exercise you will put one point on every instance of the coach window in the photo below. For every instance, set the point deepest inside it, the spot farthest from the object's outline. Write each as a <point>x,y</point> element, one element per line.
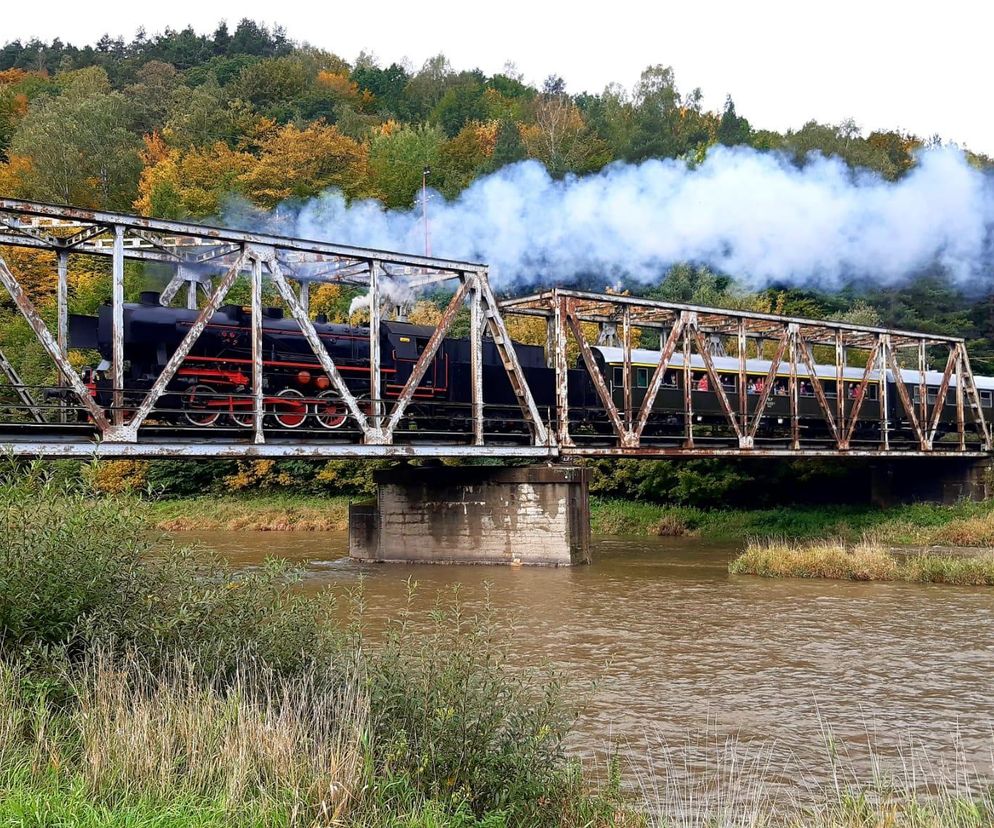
<point>642,378</point>
<point>619,377</point>
<point>985,399</point>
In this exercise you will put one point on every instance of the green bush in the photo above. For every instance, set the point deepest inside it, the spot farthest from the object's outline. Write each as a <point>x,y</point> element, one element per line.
<point>453,719</point>
<point>78,570</point>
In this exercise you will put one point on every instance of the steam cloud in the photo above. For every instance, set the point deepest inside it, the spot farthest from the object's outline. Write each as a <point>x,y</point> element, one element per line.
<point>755,216</point>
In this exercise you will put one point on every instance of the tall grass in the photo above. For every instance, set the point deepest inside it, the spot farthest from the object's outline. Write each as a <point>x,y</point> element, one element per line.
<point>865,561</point>
<point>258,746</point>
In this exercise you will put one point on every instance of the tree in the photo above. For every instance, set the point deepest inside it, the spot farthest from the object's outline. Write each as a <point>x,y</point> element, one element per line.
<point>153,94</point>
<point>78,145</point>
<point>561,139</point>
<point>299,163</point>
<point>397,158</point>
<point>191,183</point>
<point>731,128</point>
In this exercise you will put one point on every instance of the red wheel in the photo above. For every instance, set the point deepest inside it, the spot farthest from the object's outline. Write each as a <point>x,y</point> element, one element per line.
<point>201,406</point>
<point>329,410</point>
<point>290,410</point>
<point>242,413</point>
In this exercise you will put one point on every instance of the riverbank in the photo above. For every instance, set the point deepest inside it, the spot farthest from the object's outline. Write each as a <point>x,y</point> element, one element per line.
<point>964,524</point>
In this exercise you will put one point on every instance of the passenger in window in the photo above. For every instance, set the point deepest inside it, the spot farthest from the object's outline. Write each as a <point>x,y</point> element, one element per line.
<point>702,383</point>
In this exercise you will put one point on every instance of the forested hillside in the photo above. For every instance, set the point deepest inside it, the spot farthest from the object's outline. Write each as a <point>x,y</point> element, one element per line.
<point>175,124</point>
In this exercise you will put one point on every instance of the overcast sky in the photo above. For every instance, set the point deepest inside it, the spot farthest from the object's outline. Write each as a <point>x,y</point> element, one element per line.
<point>918,66</point>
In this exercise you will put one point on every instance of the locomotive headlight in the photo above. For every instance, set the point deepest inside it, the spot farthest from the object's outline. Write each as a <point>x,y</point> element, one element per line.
<point>304,377</point>
<point>322,382</point>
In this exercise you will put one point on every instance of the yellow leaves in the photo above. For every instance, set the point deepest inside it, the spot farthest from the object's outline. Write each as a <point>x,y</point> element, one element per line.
<point>191,183</point>
<point>425,313</point>
<point>257,473</point>
<point>344,89</point>
<point>34,270</point>
<point>298,163</point>
<point>14,175</point>
<point>118,476</point>
<point>327,299</point>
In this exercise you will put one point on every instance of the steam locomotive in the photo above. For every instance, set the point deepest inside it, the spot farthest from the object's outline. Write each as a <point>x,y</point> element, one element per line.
<point>213,386</point>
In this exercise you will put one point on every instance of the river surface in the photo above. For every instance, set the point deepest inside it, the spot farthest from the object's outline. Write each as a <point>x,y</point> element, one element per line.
<point>679,662</point>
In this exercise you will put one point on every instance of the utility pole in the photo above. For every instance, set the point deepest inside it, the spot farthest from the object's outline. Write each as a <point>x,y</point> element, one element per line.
<point>424,206</point>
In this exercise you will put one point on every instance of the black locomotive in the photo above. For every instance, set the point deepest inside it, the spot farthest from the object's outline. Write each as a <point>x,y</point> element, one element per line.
<point>213,386</point>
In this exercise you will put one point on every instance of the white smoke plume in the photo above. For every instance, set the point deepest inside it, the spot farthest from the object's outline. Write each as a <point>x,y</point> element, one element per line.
<point>755,216</point>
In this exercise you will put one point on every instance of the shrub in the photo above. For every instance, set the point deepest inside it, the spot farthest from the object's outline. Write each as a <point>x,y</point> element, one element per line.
<point>452,718</point>
<point>78,569</point>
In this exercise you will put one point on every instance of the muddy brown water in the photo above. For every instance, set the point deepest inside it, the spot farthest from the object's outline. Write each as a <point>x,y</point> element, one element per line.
<point>674,657</point>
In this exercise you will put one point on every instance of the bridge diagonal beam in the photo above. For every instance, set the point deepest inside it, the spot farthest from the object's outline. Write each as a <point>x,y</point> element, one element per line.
<point>771,376</point>
<point>715,380</point>
<point>426,358</point>
<point>596,377</point>
<point>645,410</point>
<point>861,394</point>
<point>311,335</point>
<point>940,398</point>
<point>30,232</point>
<point>512,365</point>
<point>905,397</point>
<point>129,432</point>
<point>51,346</point>
<point>14,379</point>
<point>970,386</point>
<point>819,389</point>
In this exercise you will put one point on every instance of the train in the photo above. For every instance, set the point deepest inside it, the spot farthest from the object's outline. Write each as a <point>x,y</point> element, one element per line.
<point>212,388</point>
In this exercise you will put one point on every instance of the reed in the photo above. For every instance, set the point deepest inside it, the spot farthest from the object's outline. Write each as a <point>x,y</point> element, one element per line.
<point>863,561</point>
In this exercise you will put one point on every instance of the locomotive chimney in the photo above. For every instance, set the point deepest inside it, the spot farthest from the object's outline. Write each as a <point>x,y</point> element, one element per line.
<point>149,297</point>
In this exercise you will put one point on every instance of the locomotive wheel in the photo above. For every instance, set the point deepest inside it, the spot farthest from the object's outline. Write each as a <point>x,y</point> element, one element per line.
<point>293,412</point>
<point>330,411</point>
<point>242,417</point>
<point>197,406</point>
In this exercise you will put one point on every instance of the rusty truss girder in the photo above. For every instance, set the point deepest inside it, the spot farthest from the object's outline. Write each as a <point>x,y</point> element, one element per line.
<point>690,330</point>
<point>207,262</point>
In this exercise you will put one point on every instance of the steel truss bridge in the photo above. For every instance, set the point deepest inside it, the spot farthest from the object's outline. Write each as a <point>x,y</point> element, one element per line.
<point>205,263</point>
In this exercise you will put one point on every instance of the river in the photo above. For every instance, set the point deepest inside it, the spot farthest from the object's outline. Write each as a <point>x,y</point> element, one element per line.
<point>677,660</point>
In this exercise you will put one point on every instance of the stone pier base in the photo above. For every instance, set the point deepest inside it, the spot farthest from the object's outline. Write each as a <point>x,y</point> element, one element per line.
<point>537,515</point>
<point>931,480</point>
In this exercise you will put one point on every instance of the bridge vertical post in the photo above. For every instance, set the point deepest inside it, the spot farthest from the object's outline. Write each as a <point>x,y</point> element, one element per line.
<point>884,352</point>
<point>117,326</point>
<point>743,378</point>
<point>626,344</point>
<point>688,401</point>
<point>793,390</point>
<point>561,372</point>
<point>62,311</point>
<point>376,407</point>
<point>840,389</point>
<point>258,404</point>
<point>960,418</point>
<point>305,295</point>
<point>923,395</point>
<point>476,357</point>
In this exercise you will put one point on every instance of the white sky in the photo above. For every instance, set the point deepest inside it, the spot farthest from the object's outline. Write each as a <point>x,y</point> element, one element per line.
<point>919,66</point>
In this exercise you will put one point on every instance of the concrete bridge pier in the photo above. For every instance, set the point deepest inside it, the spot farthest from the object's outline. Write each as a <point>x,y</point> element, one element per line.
<point>534,515</point>
<point>943,480</point>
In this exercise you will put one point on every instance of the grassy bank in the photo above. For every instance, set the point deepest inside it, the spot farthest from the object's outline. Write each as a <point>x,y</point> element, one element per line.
<point>964,524</point>
<point>860,562</point>
<point>267,513</point>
